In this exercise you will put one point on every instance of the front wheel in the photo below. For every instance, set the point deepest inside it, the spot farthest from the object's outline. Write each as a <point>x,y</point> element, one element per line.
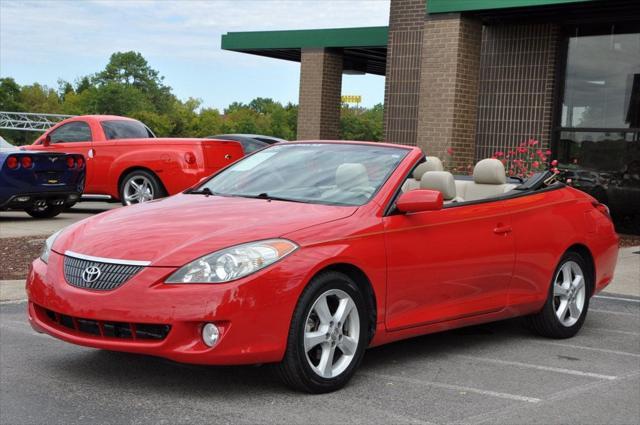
<point>567,303</point>
<point>328,335</point>
<point>140,186</point>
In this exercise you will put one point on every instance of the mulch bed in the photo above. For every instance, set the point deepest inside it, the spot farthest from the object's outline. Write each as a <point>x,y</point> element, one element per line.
<point>17,253</point>
<point>629,240</point>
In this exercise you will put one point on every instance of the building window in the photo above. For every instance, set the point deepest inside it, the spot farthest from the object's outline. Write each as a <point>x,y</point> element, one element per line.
<point>598,140</point>
<point>602,83</point>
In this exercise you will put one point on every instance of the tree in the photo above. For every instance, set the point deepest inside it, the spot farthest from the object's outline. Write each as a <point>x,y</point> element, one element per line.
<point>361,123</point>
<point>130,68</point>
<point>128,86</point>
<point>10,96</point>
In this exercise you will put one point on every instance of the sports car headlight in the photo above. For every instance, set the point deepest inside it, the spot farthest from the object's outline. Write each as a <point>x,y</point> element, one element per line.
<point>48,243</point>
<point>233,263</point>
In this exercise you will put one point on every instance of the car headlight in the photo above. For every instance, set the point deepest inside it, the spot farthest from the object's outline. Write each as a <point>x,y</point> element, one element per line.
<point>233,263</point>
<point>48,243</point>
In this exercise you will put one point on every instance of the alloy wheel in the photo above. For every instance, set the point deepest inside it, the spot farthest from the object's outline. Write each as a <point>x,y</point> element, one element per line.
<point>138,189</point>
<point>569,293</point>
<point>331,334</point>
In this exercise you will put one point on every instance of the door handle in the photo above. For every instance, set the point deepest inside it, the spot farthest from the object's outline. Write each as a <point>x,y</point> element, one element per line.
<point>499,230</point>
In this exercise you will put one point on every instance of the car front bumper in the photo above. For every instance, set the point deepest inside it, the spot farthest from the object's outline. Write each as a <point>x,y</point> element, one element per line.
<point>253,314</point>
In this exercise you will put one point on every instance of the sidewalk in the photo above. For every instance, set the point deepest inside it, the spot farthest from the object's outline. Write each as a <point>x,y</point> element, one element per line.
<point>625,282</point>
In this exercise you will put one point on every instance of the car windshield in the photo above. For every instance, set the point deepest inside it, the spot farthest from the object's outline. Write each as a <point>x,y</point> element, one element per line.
<point>324,173</point>
<point>125,129</point>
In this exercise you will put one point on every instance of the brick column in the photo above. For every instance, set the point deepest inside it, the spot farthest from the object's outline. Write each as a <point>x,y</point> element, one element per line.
<point>320,90</point>
<point>449,86</point>
<point>402,84</point>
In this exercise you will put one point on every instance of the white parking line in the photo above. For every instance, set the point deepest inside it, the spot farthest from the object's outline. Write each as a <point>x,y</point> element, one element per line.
<point>582,347</point>
<point>615,331</point>
<point>454,387</point>
<point>12,302</point>
<point>539,367</point>
<point>606,297</point>
<point>620,313</point>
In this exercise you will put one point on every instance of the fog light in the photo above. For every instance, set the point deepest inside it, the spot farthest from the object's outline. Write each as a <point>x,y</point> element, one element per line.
<point>72,197</point>
<point>210,334</point>
<point>22,198</point>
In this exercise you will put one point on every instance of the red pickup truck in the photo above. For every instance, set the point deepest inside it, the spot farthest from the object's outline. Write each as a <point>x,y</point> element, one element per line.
<point>126,162</point>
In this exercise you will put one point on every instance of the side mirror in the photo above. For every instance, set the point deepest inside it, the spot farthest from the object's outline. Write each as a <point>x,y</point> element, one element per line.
<point>419,200</point>
<point>46,141</point>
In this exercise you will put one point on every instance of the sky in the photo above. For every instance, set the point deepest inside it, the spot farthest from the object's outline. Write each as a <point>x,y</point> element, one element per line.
<point>43,41</point>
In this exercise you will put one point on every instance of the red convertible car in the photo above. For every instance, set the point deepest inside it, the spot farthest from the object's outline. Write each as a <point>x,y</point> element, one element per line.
<point>304,254</point>
<point>126,162</point>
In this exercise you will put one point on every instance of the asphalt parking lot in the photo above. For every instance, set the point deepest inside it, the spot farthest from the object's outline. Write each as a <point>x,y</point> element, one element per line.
<point>497,373</point>
<point>15,224</point>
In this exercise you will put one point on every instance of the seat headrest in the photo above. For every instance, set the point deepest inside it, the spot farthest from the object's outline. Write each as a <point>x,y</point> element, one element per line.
<point>432,163</point>
<point>351,175</point>
<point>489,171</point>
<point>442,181</point>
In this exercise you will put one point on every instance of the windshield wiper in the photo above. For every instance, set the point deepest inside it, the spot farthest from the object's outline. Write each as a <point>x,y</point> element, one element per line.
<point>265,195</point>
<point>204,191</point>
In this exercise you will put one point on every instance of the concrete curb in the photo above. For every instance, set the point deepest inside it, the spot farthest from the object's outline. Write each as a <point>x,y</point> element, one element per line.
<point>12,290</point>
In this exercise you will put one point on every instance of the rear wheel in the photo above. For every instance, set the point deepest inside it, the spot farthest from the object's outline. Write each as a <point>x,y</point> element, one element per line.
<point>140,186</point>
<point>328,335</point>
<point>42,209</point>
<point>566,307</point>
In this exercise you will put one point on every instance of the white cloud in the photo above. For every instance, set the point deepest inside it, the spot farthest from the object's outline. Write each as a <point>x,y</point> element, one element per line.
<point>37,31</point>
<point>46,40</point>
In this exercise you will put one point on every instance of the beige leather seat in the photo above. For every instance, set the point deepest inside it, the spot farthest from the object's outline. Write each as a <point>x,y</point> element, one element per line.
<point>489,180</point>
<point>431,163</point>
<point>443,182</point>
<point>352,183</point>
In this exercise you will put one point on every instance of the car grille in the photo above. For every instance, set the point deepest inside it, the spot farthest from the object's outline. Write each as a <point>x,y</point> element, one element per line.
<point>105,329</point>
<point>110,275</point>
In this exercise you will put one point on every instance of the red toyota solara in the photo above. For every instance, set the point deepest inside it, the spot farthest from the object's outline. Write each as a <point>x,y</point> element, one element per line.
<point>305,254</point>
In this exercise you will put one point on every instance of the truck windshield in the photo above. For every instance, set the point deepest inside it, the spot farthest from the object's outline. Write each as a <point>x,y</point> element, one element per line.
<point>324,173</point>
<point>125,129</point>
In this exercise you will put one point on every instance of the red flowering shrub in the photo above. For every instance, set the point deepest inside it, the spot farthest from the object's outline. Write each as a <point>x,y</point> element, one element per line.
<point>526,160</point>
<point>523,161</point>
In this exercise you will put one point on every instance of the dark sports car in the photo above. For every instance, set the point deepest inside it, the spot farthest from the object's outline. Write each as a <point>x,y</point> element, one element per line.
<point>250,142</point>
<point>40,183</point>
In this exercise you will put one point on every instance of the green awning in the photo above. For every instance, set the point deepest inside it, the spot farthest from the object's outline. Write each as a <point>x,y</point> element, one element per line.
<point>448,6</point>
<point>364,49</point>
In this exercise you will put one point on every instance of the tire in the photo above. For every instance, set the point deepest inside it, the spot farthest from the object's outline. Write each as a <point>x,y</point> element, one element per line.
<point>140,186</point>
<point>548,322</point>
<point>302,369</point>
<point>44,211</point>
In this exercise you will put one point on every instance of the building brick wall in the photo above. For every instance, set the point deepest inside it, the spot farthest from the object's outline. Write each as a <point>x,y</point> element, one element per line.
<point>449,86</point>
<point>320,90</point>
<point>402,84</point>
<point>517,83</point>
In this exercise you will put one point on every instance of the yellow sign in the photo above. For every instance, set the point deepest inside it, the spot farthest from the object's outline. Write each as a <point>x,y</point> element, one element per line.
<point>351,99</point>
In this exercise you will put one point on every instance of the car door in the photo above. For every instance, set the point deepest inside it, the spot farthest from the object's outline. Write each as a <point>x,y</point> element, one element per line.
<point>73,137</point>
<point>447,264</point>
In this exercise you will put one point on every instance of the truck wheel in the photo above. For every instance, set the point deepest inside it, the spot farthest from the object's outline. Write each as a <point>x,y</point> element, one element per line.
<point>328,335</point>
<point>44,210</point>
<point>140,186</point>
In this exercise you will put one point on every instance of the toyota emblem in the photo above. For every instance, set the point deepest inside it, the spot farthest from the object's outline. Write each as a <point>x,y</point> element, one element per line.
<point>91,274</point>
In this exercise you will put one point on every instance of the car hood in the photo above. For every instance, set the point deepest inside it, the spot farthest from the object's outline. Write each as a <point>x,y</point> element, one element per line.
<point>176,230</point>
